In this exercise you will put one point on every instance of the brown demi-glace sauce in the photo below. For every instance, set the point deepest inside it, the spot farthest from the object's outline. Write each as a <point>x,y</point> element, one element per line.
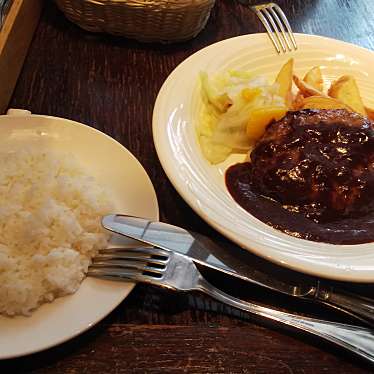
<point>312,176</point>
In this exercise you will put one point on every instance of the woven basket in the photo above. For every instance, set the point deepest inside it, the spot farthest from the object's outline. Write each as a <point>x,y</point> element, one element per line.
<point>144,20</point>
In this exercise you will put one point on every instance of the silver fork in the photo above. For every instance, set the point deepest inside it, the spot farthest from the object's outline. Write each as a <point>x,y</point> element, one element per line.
<point>4,7</point>
<point>275,22</point>
<point>175,272</point>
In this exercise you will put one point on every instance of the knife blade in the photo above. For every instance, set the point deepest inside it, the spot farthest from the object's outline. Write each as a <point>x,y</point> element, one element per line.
<point>202,250</point>
<point>233,262</point>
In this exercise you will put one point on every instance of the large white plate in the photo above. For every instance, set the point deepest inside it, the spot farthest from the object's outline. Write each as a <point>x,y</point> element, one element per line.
<point>202,185</point>
<point>121,174</point>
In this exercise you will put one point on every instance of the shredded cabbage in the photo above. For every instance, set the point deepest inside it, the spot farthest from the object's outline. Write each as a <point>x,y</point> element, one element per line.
<point>229,99</point>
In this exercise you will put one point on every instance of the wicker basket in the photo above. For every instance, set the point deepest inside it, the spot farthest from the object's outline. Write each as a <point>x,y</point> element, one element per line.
<point>144,20</point>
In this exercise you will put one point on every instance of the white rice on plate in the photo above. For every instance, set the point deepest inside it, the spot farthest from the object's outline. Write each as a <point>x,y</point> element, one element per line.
<point>50,228</point>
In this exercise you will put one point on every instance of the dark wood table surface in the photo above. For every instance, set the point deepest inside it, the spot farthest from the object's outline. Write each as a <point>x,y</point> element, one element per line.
<point>111,84</point>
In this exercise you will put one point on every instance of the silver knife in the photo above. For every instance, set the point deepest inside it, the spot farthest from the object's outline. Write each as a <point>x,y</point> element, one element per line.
<point>207,253</point>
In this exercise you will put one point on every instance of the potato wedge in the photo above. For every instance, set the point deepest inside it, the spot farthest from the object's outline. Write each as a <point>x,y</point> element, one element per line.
<point>306,89</point>
<point>314,78</point>
<point>322,102</point>
<point>346,90</point>
<point>261,117</point>
<point>369,113</point>
<point>284,80</point>
<point>297,101</point>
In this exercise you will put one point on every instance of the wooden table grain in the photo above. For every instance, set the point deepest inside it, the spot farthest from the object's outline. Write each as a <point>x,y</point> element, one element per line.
<point>111,84</point>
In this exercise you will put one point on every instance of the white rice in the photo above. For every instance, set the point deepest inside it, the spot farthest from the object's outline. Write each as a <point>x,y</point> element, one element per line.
<point>50,214</point>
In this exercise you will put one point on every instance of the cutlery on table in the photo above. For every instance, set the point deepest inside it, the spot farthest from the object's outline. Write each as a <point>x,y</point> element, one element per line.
<point>176,272</point>
<point>4,7</point>
<point>204,251</point>
<point>276,24</point>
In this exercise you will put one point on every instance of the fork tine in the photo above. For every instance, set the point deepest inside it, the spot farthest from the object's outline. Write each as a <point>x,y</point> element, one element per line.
<point>127,262</point>
<point>151,251</point>
<point>274,26</point>
<point>114,274</point>
<point>127,265</point>
<point>281,26</point>
<point>129,257</point>
<point>283,17</point>
<point>267,27</point>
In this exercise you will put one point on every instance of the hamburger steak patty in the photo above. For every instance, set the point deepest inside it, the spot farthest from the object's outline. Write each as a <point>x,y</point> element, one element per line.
<point>317,162</point>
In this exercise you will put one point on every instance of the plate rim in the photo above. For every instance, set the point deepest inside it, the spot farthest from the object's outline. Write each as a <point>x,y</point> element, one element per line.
<point>321,269</point>
<point>129,285</point>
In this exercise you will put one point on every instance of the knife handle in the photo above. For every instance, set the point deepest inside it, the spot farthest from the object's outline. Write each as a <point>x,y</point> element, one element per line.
<point>358,306</point>
<point>356,339</point>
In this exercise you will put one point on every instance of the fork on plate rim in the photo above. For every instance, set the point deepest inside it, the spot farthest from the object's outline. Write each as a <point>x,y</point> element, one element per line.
<point>277,26</point>
<point>176,272</point>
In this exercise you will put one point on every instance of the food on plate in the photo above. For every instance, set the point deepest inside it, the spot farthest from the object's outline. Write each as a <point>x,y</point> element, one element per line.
<point>321,102</point>
<point>311,153</point>
<point>342,94</point>
<point>238,106</point>
<point>370,113</point>
<point>220,101</point>
<point>320,158</point>
<point>306,89</point>
<point>312,176</point>
<point>261,117</point>
<point>314,78</point>
<point>346,90</point>
<point>50,227</point>
<point>284,82</point>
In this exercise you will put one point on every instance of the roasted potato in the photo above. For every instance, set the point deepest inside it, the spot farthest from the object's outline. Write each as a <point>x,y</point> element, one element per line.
<point>261,117</point>
<point>345,89</point>
<point>369,113</point>
<point>284,80</point>
<point>297,101</point>
<point>306,89</point>
<point>322,102</point>
<point>313,78</point>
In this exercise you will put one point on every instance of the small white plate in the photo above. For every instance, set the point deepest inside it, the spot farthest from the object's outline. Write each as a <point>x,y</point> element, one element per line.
<point>118,171</point>
<point>176,114</point>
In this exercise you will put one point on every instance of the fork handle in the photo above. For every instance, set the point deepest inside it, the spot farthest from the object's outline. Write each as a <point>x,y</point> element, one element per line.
<point>359,340</point>
<point>358,306</point>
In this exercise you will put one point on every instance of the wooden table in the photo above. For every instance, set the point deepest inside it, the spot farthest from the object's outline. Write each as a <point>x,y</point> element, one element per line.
<point>111,84</point>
